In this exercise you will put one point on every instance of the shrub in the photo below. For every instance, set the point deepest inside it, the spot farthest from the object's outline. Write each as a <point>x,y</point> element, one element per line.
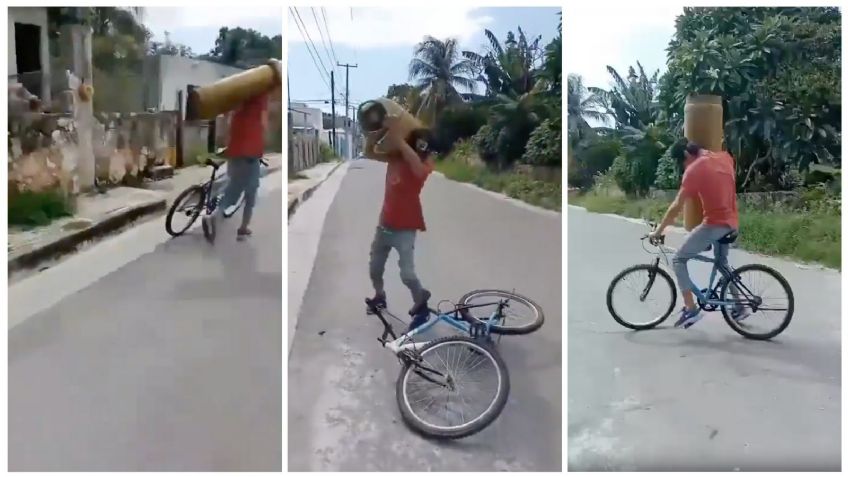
<point>37,208</point>
<point>484,141</point>
<point>327,153</point>
<point>668,175</point>
<point>545,144</point>
<point>592,157</point>
<point>459,122</point>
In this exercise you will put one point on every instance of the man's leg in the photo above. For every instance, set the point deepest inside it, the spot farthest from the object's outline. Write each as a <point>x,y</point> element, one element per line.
<point>251,188</point>
<point>696,242</point>
<point>380,248</point>
<point>740,312</point>
<point>405,244</point>
<point>232,190</point>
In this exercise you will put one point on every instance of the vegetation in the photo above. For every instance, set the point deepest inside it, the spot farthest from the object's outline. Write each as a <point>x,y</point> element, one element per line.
<point>515,120</point>
<point>778,73</point>
<point>32,209</point>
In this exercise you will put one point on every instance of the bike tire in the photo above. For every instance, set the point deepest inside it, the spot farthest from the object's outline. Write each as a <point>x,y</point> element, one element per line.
<point>183,195</point>
<point>235,209</point>
<point>660,273</point>
<point>725,311</point>
<point>478,424</point>
<point>500,329</point>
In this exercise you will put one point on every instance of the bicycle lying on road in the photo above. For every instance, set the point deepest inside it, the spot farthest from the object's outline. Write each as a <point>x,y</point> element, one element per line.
<point>197,198</point>
<point>729,290</point>
<point>437,376</point>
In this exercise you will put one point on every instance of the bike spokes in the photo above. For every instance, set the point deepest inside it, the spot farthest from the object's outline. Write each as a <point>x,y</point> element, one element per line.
<point>763,302</point>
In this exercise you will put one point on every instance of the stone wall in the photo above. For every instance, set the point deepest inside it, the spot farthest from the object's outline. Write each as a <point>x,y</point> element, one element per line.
<point>127,145</point>
<point>43,153</point>
<point>304,150</point>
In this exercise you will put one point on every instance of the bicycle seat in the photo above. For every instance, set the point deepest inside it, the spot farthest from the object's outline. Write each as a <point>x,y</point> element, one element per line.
<point>729,237</point>
<point>216,162</point>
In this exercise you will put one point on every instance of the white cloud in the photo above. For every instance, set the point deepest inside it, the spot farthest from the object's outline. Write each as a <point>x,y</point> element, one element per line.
<point>598,36</point>
<point>386,27</point>
<point>160,19</point>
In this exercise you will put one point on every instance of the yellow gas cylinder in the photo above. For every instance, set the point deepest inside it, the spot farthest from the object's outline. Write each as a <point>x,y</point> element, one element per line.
<point>703,123</point>
<point>371,115</point>
<point>226,94</point>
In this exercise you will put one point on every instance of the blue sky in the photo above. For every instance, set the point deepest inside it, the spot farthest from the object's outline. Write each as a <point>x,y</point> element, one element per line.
<point>380,41</point>
<point>599,36</point>
<point>197,27</point>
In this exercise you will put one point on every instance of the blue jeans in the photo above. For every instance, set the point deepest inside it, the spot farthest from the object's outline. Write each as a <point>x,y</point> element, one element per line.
<point>385,239</point>
<point>243,176</point>
<point>696,242</point>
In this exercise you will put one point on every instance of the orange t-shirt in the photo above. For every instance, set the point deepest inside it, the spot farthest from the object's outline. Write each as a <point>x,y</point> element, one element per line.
<point>247,137</point>
<point>712,178</point>
<point>402,200</point>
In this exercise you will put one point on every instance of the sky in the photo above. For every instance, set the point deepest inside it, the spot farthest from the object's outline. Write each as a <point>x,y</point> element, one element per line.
<point>596,37</point>
<point>197,27</point>
<point>380,41</point>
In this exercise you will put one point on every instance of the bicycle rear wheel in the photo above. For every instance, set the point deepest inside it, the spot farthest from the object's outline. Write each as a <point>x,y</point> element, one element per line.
<point>189,204</point>
<point>765,298</point>
<point>513,322</point>
<point>458,387</point>
<point>643,286</point>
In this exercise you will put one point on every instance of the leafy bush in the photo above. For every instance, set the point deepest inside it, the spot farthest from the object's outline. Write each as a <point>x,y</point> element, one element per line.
<point>592,157</point>
<point>668,175</point>
<point>37,208</point>
<point>485,140</point>
<point>545,144</point>
<point>327,153</point>
<point>459,122</point>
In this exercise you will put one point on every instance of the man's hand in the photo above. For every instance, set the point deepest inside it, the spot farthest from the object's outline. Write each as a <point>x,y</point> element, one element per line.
<point>655,235</point>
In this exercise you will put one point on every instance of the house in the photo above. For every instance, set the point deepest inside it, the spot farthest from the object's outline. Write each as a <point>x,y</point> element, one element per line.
<point>167,75</point>
<point>28,50</point>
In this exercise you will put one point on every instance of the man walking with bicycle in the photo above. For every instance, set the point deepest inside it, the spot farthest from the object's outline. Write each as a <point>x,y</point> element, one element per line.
<point>245,148</point>
<point>711,177</point>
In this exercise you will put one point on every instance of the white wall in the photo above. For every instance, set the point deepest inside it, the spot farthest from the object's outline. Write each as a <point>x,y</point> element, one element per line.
<point>31,16</point>
<point>177,72</point>
<point>305,116</point>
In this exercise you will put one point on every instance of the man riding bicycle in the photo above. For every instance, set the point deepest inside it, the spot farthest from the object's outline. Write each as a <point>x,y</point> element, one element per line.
<point>711,177</point>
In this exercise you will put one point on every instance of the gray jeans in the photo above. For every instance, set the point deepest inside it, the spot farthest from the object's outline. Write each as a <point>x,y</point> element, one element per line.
<point>385,239</point>
<point>696,242</point>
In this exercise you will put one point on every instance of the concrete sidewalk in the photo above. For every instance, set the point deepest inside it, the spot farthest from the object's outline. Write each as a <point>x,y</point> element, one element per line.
<point>303,183</point>
<point>100,214</point>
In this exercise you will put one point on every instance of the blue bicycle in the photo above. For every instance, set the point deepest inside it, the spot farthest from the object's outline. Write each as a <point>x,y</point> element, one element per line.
<point>748,297</point>
<point>455,386</point>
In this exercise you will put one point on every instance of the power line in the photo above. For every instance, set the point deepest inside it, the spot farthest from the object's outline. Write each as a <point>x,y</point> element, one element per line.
<point>327,27</point>
<point>305,35</point>
<point>326,50</point>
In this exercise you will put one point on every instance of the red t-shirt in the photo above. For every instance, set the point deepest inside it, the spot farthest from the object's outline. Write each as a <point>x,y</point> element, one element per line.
<point>402,201</point>
<point>712,178</point>
<point>247,137</point>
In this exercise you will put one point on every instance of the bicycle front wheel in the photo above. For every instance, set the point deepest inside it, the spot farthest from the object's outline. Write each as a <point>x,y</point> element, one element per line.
<point>457,388</point>
<point>641,297</point>
<point>764,301</point>
<point>185,210</point>
<point>520,316</point>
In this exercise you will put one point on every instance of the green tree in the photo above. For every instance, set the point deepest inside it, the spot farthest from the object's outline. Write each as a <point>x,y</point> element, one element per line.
<point>438,69</point>
<point>511,68</point>
<point>631,102</point>
<point>405,95</point>
<point>583,106</point>
<point>244,48</point>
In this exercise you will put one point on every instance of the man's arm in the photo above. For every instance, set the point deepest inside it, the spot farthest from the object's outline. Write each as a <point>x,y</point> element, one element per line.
<point>673,211</point>
<point>418,166</point>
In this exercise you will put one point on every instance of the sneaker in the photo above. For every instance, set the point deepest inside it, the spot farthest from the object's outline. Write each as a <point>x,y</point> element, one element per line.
<point>419,319</point>
<point>209,228</point>
<point>740,313</point>
<point>688,318</point>
<point>243,234</point>
<point>379,302</point>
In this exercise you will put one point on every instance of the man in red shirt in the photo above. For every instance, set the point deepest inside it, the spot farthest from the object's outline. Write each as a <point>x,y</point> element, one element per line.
<point>402,217</point>
<point>244,152</point>
<point>710,176</point>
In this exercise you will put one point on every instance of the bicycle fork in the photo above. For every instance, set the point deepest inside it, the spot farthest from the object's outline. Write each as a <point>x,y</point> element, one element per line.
<point>652,275</point>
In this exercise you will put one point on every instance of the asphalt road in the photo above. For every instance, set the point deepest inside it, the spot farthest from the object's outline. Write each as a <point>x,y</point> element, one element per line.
<point>703,398</point>
<point>342,410</point>
<point>171,362</point>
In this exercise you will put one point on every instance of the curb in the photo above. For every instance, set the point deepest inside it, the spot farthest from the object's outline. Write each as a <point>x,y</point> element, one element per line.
<point>71,242</point>
<point>308,192</point>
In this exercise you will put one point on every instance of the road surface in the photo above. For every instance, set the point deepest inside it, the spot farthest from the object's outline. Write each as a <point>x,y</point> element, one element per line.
<point>169,362</point>
<point>342,410</point>
<point>703,398</point>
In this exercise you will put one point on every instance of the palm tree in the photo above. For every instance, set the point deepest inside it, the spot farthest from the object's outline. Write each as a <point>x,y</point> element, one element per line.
<point>583,106</point>
<point>510,68</point>
<point>438,70</point>
<point>631,102</point>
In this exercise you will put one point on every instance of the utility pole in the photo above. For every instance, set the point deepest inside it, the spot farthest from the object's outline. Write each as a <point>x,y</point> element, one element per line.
<point>333,110</point>
<point>347,68</point>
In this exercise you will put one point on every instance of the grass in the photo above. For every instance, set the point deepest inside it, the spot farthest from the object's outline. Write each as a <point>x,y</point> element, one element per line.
<point>296,177</point>
<point>801,235</point>
<point>540,193</point>
<point>35,209</point>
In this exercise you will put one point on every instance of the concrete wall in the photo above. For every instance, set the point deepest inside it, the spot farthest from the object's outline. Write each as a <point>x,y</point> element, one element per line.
<point>126,145</point>
<point>175,73</point>
<point>32,16</point>
<point>304,150</point>
<point>304,116</point>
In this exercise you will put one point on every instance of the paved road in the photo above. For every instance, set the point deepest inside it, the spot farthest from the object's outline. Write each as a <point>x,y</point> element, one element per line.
<point>703,398</point>
<point>171,362</point>
<point>342,409</point>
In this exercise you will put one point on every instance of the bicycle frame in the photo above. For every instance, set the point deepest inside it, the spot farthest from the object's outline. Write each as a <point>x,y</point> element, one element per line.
<point>404,343</point>
<point>726,272</point>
